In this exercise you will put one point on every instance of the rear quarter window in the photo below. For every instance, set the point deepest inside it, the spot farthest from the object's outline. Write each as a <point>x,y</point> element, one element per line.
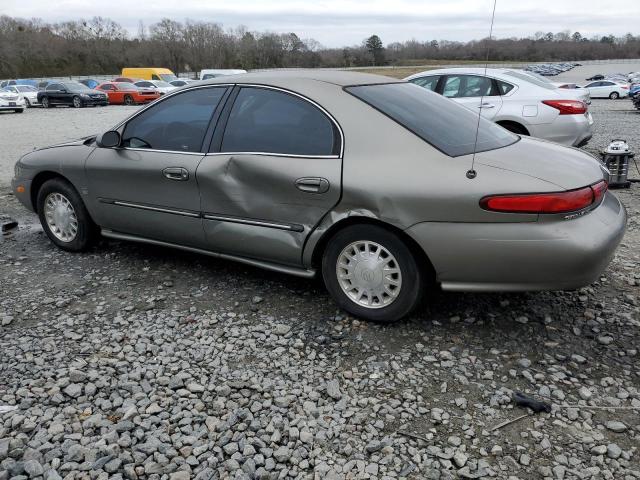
<point>449,127</point>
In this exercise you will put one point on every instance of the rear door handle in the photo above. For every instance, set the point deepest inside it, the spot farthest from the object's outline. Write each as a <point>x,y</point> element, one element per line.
<point>312,184</point>
<point>176,173</point>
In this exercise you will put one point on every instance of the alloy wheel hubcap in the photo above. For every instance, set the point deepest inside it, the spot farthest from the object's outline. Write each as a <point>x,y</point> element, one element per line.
<point>369,274</point>
<point>61,217</point>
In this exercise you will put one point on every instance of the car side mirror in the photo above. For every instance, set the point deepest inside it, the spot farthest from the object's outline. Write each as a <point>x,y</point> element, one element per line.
<point>108,139</point>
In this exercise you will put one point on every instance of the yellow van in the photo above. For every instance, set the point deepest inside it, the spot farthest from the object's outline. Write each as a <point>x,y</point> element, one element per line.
<point>149,74</point>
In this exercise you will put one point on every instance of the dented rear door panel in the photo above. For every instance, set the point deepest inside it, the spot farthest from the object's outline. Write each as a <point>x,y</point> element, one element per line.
<point>252,206</point>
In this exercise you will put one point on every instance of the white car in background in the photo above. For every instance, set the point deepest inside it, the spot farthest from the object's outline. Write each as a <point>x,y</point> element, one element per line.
<point>516,101</point>
<point>210,73</point>
<point>607,89</point>
<point>11,101</point>
<point>160,85</point>
<point>27,92</point>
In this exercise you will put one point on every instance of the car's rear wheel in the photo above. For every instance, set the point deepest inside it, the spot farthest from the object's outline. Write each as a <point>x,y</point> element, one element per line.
<point>76,102</point>
<point>45,102</point>
<point>372,274</point>
<point>19,110</point>
<point>514,127</point>
<point>64,217</point>
<point>614,95</point>
<point>128,100</point>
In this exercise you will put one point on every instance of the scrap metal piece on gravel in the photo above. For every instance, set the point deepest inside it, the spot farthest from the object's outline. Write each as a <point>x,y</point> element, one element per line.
<point>537,406</point>
<point>7,223</point>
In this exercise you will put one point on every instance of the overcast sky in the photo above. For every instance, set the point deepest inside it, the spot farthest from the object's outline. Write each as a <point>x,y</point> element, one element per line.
<point>345,22</point>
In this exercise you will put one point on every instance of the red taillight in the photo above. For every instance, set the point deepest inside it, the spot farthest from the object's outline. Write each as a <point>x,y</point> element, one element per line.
<point>567,107</point>
<point>557,202</point>
<point>624,87</point>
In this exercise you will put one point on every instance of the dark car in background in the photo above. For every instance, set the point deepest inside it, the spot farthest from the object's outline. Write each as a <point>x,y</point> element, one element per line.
<point>74,94</point>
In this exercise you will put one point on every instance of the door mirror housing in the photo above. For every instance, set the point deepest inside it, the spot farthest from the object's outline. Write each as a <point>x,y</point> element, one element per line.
<point>108,139</point>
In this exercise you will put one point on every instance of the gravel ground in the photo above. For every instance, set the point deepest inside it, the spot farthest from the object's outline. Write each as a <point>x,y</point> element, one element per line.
<point>134,361</point>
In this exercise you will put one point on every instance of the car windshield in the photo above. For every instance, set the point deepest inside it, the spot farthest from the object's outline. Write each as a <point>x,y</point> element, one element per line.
<point>126,86</point>
<point>449,127</point>
<point>76,87</point>
<point>26,88</point>
<point>532,77</point>
<point>160,83</point>
<point>167,77</point>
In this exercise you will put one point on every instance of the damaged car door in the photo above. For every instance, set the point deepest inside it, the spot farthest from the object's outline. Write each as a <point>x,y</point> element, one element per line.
<point>273,172</point>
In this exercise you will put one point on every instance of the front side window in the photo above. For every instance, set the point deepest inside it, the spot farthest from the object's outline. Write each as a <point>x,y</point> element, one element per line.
<point>448,126</point>
<point>178,123</point>
<point>55,86</point>
<point>429,83</point>
<point>270,121</point>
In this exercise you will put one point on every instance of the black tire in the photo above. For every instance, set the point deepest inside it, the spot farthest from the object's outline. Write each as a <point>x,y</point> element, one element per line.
<point>86,229</point>
<point>45,102</point>
<point>128,100</point>
<point>412,278</point>
<point>27,103</point>
<point>514,128</point>
<point>19,110</point>
<point>76,102</point>
<point>614,95</point>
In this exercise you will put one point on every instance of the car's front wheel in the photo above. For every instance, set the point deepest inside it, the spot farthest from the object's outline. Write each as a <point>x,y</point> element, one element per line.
<point>64,217</point>
<point>77,102</point>
<point>372,274</point>
<point>19,110</point>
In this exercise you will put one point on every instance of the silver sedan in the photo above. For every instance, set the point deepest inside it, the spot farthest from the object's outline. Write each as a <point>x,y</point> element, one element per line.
<point>379,186</point>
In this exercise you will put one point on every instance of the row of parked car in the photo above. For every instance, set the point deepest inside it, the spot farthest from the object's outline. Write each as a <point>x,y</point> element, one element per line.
<point>551,69</point>
<point>135,86</point>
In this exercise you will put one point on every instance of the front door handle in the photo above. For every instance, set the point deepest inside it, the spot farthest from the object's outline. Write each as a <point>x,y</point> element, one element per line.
<point>176,173</point>
<point>486,105</point>
<point>313,184</point>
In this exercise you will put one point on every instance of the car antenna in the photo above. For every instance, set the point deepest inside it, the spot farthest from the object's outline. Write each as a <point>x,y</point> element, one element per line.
<point>471,173</point>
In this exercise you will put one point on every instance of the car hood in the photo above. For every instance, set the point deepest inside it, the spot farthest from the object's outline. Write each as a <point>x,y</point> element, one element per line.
<point>88,140</point>
<point>566,167</point>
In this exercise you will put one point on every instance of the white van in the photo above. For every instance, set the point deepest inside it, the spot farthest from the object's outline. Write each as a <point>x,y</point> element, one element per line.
<point>209,74</point>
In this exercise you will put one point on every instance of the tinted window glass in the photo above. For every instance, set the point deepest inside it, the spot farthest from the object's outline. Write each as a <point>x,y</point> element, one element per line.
<point>444,124</point>
<point>270,121</point>
<point>429,83</point>
<point>179,123</point>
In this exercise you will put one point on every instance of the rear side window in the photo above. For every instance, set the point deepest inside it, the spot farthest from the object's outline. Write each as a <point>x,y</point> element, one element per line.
<point>430,83</point>
<point>178,123</point>
<point>269,121</point>
<point>504,87</point>
<point>54,86</point>
<point>449,127</point>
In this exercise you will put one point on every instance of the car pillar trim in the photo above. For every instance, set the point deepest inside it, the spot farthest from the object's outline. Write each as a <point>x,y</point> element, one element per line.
<point>298,272</point>
<point>257,223</point>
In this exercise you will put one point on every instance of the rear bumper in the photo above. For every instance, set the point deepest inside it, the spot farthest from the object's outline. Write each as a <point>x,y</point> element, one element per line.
<point>570,130</point>
<point>549,254</point>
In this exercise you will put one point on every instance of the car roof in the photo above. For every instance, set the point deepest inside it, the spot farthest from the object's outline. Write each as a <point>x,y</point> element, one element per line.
<point>340,78</point>
<point>462,70</point>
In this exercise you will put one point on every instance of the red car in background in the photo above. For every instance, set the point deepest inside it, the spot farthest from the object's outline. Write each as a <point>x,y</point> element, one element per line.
<point>123,93</point>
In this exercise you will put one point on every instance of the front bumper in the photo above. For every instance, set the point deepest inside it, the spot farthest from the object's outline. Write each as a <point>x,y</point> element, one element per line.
<point>21,188</point>
<point>17,106</point>
<point>550,254</point>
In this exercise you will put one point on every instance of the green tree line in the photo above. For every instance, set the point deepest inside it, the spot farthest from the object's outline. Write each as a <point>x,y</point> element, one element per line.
<point>33,48</point>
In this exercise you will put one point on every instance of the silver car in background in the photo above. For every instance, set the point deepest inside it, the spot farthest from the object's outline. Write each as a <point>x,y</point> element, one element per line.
<point>27,92</point>
<point>515,100</point>
<point>379,186</point>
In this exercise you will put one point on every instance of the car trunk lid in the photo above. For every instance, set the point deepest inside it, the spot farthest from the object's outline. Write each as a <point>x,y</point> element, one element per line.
<point>568,168</point>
